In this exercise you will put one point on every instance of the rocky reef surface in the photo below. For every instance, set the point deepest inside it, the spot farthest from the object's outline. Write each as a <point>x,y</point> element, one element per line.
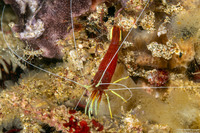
<point>50,51</point>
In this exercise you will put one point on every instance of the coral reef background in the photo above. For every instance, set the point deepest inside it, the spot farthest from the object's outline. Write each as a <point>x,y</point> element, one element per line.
<point>160,56</point>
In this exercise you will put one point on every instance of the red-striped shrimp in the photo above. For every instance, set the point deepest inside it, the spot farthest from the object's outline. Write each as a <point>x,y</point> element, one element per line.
<point>104,74</point>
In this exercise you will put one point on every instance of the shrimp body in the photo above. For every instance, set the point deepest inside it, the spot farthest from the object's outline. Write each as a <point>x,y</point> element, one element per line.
<point>114,45</point>
<point>98,90</point>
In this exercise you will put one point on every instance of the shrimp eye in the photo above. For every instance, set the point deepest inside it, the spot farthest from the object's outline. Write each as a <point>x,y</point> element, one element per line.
<point>92,80</point>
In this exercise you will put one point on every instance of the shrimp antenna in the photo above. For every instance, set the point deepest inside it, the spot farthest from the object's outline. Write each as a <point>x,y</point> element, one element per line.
<point>18,56</point>
<point>122,43</point>
<point>162,87</point>
<point>72,22</point>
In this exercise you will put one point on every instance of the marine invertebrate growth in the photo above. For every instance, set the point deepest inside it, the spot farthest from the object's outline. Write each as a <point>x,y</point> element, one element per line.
<point>48,22</point>
<point>157,77</point>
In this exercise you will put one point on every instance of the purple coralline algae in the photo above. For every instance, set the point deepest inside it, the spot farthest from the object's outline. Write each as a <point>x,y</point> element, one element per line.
<point>42,23</point>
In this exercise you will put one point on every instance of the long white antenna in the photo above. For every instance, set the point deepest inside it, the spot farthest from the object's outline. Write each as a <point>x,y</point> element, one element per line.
<point>162,87</point>
<point>74,38</point>
<point>121,44</point>
<point>72,22</point>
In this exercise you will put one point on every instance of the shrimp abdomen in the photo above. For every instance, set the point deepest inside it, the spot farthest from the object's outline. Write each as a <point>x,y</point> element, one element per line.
<point>114,45</point>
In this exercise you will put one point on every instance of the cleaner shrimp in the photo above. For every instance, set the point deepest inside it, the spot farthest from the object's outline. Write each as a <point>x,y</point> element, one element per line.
<point>99,86</point>
<point>105,71</point>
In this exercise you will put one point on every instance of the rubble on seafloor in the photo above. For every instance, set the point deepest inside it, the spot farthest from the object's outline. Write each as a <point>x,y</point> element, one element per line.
<point>158,66</point>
